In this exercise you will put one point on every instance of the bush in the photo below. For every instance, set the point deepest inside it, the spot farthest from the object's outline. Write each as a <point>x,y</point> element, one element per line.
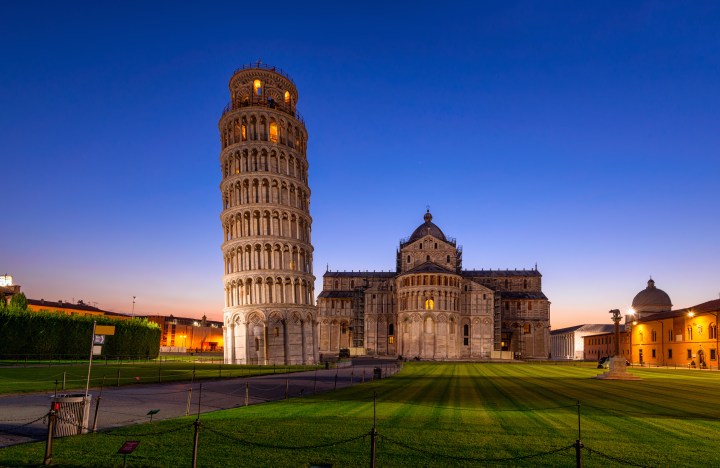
<point>54,335</point>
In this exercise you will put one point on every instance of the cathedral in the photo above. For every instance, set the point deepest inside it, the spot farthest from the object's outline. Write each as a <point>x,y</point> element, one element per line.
<point>431,308</point>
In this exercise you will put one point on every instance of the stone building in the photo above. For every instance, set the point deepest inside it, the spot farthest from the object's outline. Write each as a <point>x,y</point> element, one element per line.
<point>431,308</point>
<point>269,314</point>
<point>568,343</point>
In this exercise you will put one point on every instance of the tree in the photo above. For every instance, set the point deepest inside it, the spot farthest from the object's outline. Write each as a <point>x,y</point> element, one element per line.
<point>19,302</point>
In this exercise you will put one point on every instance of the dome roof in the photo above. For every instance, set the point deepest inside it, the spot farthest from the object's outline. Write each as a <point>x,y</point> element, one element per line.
<point>651,297</point>
<point>427,228</point>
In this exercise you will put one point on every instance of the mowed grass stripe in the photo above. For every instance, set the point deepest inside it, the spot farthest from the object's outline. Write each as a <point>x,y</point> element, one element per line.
<point>452,410</point>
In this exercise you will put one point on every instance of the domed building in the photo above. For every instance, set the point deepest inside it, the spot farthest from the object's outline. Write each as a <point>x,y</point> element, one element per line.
<point>431,308</point>
<point>651,300</point>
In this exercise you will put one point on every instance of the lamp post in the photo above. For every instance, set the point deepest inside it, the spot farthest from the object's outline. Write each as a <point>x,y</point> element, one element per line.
<point>133,308</point>
<point>631,312</point>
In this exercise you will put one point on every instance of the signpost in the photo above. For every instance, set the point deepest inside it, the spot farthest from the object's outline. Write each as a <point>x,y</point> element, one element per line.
<point>127,448</point>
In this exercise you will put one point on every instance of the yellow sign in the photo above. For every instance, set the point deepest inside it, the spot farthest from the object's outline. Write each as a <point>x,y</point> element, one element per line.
<point>104,329</point>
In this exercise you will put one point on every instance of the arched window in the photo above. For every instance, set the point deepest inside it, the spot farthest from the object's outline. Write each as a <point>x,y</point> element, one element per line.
<point>506,284</point>
<point>420,244</point>
<point>391,329</point>
<point>243,132</point>
<point>526,328</point>
<point>257,87</point>
<point>408,259</point>
<point>448,258</point>
<point>337,284</point>
<point>429,303</point>
<point>352,284</point>
<point>287,97</point>
<point>273,132</point>
<point>427,258</point>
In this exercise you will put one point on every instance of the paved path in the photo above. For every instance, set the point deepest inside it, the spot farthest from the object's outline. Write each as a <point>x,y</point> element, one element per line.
<point>22,416</point>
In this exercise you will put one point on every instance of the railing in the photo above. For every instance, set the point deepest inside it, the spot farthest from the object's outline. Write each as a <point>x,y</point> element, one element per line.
<point>263,66</point>
<point>256,102</point>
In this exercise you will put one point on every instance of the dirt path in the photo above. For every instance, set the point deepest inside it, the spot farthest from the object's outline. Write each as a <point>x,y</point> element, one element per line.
<point>22,417</point>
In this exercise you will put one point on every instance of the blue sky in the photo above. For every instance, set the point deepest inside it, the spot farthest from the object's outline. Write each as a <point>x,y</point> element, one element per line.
<point>581,136</point>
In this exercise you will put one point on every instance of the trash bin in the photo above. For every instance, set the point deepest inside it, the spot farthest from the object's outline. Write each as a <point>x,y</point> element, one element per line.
<point>73,415</point>
<point>377,373</point>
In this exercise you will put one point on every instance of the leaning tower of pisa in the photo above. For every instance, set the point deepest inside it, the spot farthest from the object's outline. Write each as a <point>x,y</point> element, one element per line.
<point>269,314</point>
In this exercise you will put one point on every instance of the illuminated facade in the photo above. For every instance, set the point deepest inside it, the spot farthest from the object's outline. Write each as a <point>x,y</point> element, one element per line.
<point>655,335</point>
<point>269,314</point>
<point>430,308</point>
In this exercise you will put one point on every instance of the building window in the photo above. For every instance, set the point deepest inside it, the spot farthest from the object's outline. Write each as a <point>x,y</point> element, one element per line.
<point>391,329</point>
<point>448,258</point>
<point>653,352</point>
<point>506,284</point>
<point>524,284</point>
<point>653,335</point>
<point>436,245</point>
<point>352,284</point>
<point>427,258</point>
<point>287,97</point>
<point>429,304</point>
<point>713,331</point>
<point>257,344</point>
<point>391,339</point>
<point>529,305</point>
<point>337,284</point>
<point>713,354</point>
<point>257,87</point>
<point>420,244</point>
<point>689,333</point>
<point>466,335</point>
<point>670,335</point>
<point>669,353</point>
<point>689,353</point>
<point>273,132</point>
<point>484,296</point>
<point>408,260</point>
<point>507,306</point>
<point>526,329</point>
<point>243,131</point>
<point>276,331</point>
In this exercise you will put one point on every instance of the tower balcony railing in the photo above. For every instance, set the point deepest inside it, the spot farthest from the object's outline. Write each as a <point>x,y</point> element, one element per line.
<point>264,66</point>
<point>257,101</point>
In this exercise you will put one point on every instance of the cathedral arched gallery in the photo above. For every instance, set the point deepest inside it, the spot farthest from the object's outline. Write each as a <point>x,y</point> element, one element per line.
<point>429,308</point>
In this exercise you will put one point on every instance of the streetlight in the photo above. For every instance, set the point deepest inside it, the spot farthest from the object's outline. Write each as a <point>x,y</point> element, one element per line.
<point>133,308</point>
<point>631,312</point>
<point>183,337</point>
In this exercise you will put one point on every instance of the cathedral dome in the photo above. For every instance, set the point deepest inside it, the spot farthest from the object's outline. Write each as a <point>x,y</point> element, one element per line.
<point>651,299</point>
<point>427,228</point>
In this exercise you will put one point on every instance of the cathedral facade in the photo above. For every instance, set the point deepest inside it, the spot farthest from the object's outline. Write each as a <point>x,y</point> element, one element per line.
<point>431,308</point>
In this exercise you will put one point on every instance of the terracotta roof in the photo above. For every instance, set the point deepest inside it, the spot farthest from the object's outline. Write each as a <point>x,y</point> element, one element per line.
<point>588,327</point>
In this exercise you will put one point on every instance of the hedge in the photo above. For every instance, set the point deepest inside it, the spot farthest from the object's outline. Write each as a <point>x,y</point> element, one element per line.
<point>54,335</point>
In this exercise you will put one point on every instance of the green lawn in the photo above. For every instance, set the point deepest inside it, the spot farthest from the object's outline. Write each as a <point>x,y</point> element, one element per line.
<point>43,377</point>
<point>440,415</point>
